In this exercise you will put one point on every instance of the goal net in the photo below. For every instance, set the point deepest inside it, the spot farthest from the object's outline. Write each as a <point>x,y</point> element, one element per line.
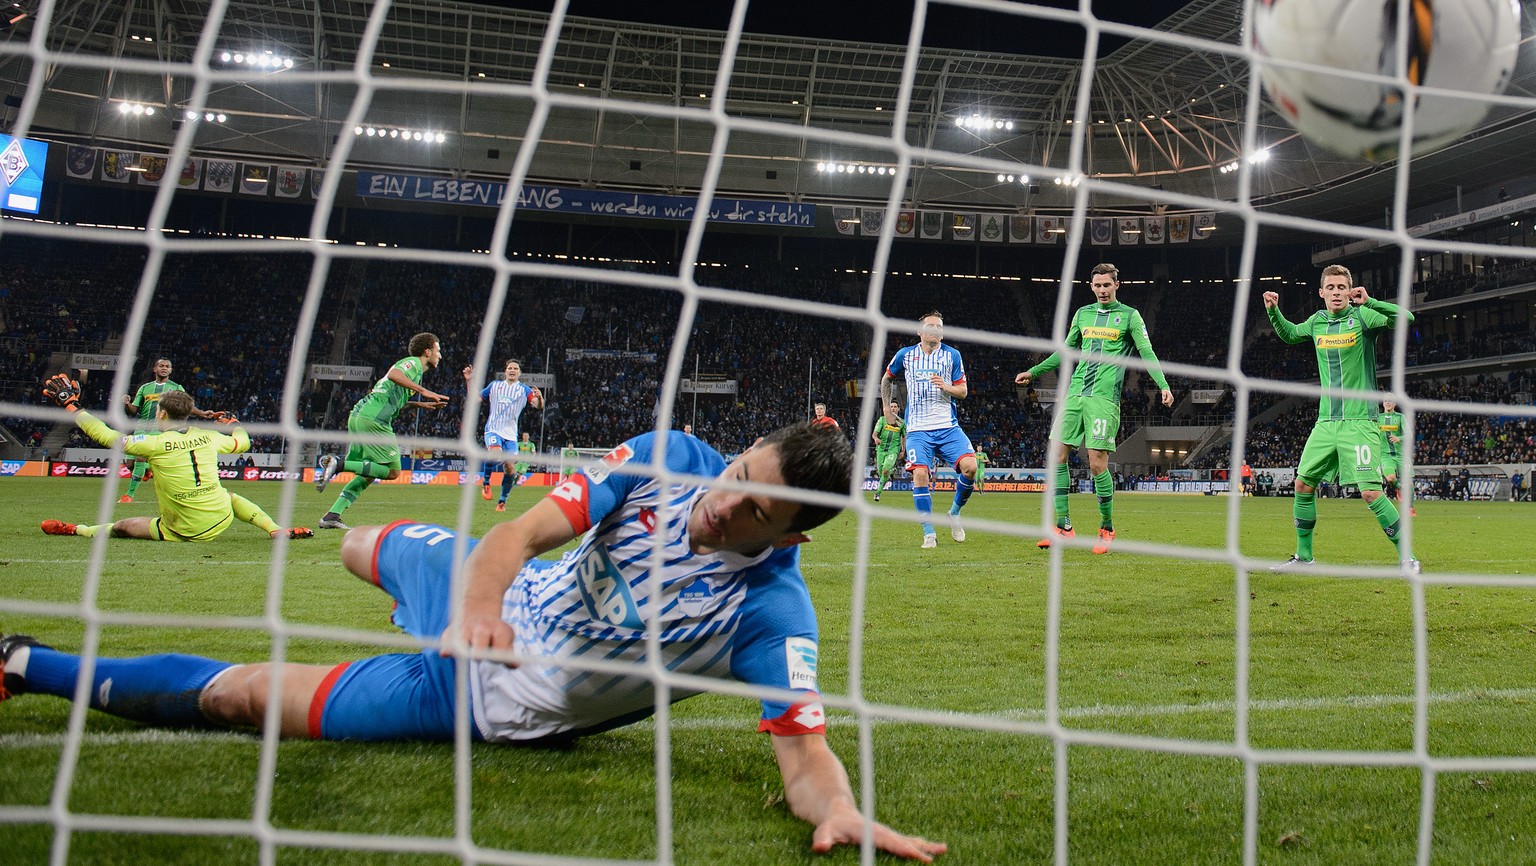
<point>716,227</point>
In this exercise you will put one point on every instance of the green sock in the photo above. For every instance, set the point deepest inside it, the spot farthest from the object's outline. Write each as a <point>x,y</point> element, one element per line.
<point>1305,509</point>
<point>139,468</point>
<point>1059,490</point>
<point>1387,516</point>
<point>251,513</point>
<point>350,493</point>
<point>1104,487</point>
<point>365,469</point>
<point>87,531</point>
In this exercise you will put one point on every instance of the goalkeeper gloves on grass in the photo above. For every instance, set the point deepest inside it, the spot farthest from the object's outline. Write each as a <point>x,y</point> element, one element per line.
<point>63,390</point>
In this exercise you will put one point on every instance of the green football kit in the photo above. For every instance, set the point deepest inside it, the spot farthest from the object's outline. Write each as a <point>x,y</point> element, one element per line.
<point>1346,438</point>
<point>1091,415</point>
<point>524,448</point>
<point>1390,424</point>
<point>374,415</point>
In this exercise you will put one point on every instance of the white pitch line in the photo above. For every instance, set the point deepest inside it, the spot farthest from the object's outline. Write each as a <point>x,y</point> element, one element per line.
<point>745,722</point>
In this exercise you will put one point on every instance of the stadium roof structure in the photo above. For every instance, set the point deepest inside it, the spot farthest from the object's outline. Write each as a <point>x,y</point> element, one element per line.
<point>636,106</point>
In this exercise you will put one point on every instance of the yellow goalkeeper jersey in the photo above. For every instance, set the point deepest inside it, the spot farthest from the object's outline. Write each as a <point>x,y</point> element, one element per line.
<point>193,504</point>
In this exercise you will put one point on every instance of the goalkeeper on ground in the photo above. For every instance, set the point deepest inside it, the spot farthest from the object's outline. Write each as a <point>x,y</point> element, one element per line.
<point>194,506</point>
<point>890,443</point>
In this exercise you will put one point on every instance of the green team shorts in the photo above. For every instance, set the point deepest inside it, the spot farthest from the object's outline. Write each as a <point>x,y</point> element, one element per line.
<point>885,459</point>
<point>1351,447</point>
<point>379,453</point>
<point>1094,421</point>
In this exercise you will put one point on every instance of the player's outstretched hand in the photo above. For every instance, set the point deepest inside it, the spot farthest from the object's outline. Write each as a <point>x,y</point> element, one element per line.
<point>224,418</point>
<point>536,398</point>
<point>433,400</point>
<point>469,372</point>
<point>480,631</point>
<point>847,828</point>
<point>1023,378</point>
<point>1271,300</point>
<point>63,391</point>
<point>1167,397</point>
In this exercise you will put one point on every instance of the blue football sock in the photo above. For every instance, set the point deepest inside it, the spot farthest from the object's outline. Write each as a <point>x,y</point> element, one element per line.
<point>923,499</point>
<point>157,690</point>
<point>963,489</point>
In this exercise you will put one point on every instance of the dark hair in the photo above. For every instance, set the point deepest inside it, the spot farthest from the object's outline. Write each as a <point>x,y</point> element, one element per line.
<point>931,313</point>
<point>512,361</point>
<point>816,458</point>
<point>421,343</point>
<point>177,405</point>
<point>1105,268</point>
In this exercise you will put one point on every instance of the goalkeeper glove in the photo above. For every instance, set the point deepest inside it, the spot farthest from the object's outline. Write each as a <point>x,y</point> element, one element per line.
<point>225,418</point>
<point>63,390</point>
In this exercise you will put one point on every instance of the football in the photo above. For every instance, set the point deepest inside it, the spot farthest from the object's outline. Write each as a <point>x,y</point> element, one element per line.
<point>1462,45</point>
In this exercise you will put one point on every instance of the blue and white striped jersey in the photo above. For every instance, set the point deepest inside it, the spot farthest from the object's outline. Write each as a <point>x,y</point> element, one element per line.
<point>722,614</point>
<point>506,400</point>
<point>928,408</point>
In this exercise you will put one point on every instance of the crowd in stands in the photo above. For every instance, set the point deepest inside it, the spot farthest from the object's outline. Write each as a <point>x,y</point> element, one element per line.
<point>1511,339</point>
<point>68,297</point>
<point>1496,273</point>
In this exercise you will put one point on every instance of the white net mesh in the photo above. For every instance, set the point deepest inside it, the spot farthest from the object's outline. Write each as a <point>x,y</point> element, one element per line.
<point>538,78</point>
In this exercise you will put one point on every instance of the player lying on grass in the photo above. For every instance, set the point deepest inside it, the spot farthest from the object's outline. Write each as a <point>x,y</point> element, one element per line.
<point>194,506</point>
<point>728,601</point>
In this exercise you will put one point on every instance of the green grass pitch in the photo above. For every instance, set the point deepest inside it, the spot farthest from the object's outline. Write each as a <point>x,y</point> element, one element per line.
<point>1148,654</point>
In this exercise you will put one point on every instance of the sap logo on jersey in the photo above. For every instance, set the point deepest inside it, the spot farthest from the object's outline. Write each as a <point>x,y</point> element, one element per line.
<point>611,461</point>
<point>800,656</point>
<point>605,591</point>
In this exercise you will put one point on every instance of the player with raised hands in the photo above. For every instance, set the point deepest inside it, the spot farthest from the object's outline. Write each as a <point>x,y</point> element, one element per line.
<point>1346,438</point>
<point>194,506</point>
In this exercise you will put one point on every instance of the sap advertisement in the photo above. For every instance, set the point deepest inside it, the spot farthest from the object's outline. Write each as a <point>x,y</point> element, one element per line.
<point>22,161</point>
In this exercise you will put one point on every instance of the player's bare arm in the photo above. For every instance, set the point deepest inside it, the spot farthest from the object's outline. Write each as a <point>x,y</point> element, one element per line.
<point>816,790</point>
<point>491,568</point>
<point>433,399</point>
<point>1271,300</point>
<point>536,398</point>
